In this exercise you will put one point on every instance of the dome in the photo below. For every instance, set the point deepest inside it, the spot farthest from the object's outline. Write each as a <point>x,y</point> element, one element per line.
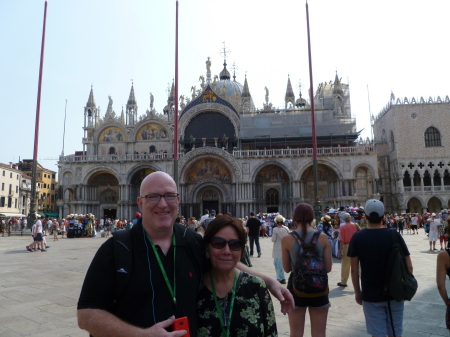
<point>231,87</point>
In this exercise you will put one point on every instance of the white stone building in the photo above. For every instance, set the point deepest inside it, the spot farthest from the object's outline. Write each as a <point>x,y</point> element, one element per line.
<point>10,191</point>
<point>233,157</point>
<point>413,148</point>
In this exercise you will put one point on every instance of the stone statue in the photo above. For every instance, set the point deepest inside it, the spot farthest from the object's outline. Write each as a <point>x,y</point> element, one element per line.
<point>208,66</point>
<point>193,90</point>
<point>110,104</point>
<point>202,79</point>
<point>267,94</point>
<point>182,105</point>
<point>151,101</point>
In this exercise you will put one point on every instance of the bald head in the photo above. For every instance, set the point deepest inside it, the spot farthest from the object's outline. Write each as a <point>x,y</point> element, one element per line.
<point>158,218</point>
<point>153,177</point>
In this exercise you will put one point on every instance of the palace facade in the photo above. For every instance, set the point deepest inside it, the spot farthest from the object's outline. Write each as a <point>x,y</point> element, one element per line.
<point>414,154</point>
<point>233,157</point>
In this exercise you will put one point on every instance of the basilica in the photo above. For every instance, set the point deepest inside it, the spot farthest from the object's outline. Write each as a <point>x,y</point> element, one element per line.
<point>234,157</point>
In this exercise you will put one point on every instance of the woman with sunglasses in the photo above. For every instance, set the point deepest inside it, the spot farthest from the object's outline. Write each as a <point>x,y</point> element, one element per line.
<point>231,302</point>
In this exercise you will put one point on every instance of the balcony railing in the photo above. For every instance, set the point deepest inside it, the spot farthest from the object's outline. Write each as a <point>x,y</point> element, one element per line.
<point>436,188</point>
<point>266,153</point>
<point>117,158</point>
<point>305,152</point>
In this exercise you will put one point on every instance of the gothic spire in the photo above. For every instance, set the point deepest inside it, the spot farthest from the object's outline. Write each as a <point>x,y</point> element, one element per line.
<point>289,91</point>
<point>132,99</point>
<point>172,93</point>
<point>91,100</point>
<point>246,90</point>
<point>337,90</point>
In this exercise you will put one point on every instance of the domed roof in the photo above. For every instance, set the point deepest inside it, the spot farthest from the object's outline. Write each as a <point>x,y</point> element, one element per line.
<point>231,87</point>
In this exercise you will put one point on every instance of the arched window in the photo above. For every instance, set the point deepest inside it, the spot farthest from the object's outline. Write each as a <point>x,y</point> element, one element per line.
<point>152,149</point>
<point>406,179</point>
<point>272,197</point>
<point>112,150</point>
<point>432,137</point>
<point>392,141</point>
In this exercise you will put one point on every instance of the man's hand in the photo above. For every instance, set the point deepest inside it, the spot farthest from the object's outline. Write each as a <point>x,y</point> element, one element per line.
<point>358,298</point>
<point>282,294</point>
<point>158,330</point>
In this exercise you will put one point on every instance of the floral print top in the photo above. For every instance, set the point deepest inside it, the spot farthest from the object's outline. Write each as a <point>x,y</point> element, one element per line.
<point>253,313</point>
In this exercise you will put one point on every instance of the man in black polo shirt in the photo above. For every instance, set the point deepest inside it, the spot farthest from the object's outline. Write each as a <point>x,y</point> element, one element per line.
<point>151,300</point>
<point>253,227</point>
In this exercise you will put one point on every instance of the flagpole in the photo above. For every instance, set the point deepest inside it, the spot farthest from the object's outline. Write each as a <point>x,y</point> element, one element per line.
<point>175,117</point>
<point>317,210</point>
<point>34,199</point>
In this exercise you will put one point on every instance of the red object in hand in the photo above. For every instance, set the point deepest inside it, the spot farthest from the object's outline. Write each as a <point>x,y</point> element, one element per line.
<point>181,324</point>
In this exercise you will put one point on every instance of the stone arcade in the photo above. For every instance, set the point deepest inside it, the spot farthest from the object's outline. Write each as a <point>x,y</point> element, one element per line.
<point>233,157</point>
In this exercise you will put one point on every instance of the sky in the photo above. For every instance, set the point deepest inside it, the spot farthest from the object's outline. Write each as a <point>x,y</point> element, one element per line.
<point>375,46</point>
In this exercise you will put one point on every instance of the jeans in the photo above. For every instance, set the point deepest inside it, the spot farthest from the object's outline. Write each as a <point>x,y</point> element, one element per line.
<point>279,269</point>
<point>254,239</point>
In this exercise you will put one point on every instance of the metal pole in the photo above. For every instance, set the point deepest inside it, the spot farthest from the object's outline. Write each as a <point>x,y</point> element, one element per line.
<point>34,198</point>
<point>316,205</point>
<point>175,117</point>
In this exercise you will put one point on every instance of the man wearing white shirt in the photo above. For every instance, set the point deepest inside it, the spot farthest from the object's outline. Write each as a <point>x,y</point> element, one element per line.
<point>414,221</point>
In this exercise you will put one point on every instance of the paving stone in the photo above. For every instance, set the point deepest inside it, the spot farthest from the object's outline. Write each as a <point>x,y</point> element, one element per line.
<point>39,291</point>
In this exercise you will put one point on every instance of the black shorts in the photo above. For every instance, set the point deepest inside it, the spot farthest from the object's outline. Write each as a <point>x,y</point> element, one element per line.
<point>314,303</point>
<point>39,237</point>
<point>414,227</point>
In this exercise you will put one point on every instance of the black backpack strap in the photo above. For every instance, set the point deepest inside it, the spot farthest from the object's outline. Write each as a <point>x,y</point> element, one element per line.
<point>315,237</point>
<point>122,261</point>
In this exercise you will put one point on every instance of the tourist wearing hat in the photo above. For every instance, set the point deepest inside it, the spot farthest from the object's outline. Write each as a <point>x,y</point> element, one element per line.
<point>370,248</point>
<point>136,218</point>
<point>278,232</point>
<point>326,227</point>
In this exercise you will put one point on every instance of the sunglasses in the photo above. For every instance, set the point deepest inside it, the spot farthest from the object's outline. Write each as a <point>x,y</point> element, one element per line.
<point>219,243</point>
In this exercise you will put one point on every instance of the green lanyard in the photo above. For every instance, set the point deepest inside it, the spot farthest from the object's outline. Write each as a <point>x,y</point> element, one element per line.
<point>225,333</point>
<point>174,289</point>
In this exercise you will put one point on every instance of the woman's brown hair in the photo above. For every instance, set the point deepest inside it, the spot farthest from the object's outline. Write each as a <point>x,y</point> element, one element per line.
<point>303,214</point>
<point>220,222</point>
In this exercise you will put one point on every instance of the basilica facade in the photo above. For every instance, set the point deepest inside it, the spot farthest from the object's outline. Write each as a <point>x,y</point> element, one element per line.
<point>234,157</point>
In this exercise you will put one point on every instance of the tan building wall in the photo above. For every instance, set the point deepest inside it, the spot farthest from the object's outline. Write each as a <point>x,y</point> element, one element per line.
<point>415,175</point>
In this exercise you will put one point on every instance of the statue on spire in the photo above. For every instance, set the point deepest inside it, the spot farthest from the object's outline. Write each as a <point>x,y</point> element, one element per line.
<point>208,70</point>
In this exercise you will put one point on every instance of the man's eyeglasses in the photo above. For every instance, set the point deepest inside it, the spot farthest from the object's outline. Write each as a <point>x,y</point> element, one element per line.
<point>219,243</point>
<point>155,198</point>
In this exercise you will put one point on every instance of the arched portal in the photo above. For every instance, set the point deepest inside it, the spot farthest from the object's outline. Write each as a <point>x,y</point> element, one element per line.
<point>136,180</point>
<point>210,198</point>
<point>272,187</point>
<point>206,184</point>
<point>414,206</point>
<point>103,186</point>
<point>272,200</point>
<point>434,205</point>
<point>328,185</point>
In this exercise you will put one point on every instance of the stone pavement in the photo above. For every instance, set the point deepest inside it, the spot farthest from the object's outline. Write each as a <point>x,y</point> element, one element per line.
<point>39,291</point>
